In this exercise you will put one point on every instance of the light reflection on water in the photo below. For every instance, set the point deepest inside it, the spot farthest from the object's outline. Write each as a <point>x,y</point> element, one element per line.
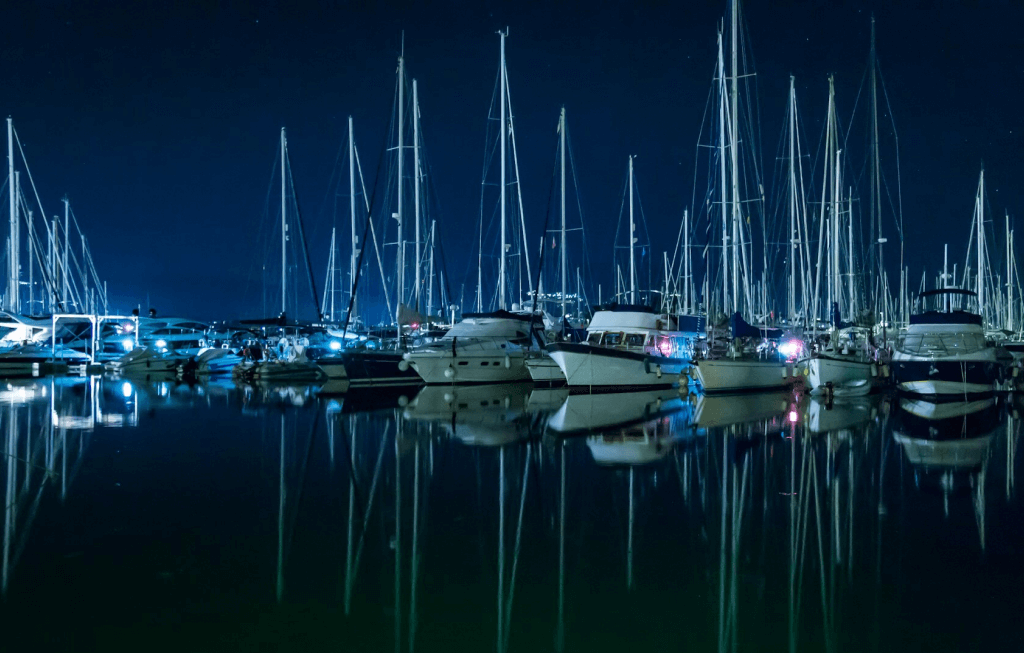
<point>504,518</point>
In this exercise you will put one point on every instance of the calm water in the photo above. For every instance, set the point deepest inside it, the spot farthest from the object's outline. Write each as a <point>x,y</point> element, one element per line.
<point>161,516</point>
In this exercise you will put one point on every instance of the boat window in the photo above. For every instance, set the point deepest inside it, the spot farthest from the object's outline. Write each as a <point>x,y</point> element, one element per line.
<point>594,338</point>
<point>634,340</point>
<point>612,339</point>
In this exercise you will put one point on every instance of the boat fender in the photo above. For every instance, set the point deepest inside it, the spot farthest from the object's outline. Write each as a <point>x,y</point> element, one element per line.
<point>449,373</point>
<point>403,365</point>
<point>647,366</point>
<point>406,356</point>
<point>508,362</point>
<point>403,401</point>
<point>448,397</point>
<point>874,370</point>
<point>659,371</point>
<point>508,402</point>
<point>1016,371</point>
<point>885,371</point>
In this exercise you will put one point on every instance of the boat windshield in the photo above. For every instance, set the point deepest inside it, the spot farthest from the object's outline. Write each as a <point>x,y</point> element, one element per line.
<point>947,344</point>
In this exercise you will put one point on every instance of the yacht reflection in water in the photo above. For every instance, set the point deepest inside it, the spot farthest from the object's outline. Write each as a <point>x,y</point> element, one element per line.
<point>948,443</point>
<point>47,427</point>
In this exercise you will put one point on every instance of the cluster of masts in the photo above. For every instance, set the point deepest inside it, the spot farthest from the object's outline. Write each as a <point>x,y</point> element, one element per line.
<point>49,266</point>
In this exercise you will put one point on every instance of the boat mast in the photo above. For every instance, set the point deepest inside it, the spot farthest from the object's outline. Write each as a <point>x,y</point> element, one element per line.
<point>1009,275</point>
<point>12,280</point>
<point>64,267</point>
<point>876,196</point>
<point>632,239</point>
<point>430,274</point>
<point>721,160</point>
<point>561,133</point>
<point>849,252</point>
<point>981,245</point>
<point>504,131</point>
<point>837,279</point>
<point>416,182</point>
<point>792,199</point>
<point>685,308</point>
<point>734,155</point>
<point>398,213</point>
<point>284,227</point>
<point>353,263</point>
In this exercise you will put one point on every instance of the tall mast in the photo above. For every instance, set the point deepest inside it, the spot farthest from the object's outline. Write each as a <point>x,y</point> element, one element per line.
<point>398,211</point>
<point>981,245</point>
<point>352,214</point>
<point>416,181</point>
<point>504,130</point>
<point>632,239</point>
<point>12,280</point>
<point>849,252</point>
<point>1009,275</point>
<point>876,196</point>
<point>837,282</point>
<point>734,155</point>
<point>792,199</point>
<point>430,274</point>
<point>561,132</point>
<point>284,227</point>
<point>686,262</point>
<point>721,160</point>
<point>64,267</point>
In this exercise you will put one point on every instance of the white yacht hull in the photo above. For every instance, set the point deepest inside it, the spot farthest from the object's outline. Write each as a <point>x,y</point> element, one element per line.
<point>545,371</point>
<point>845,377</point>
<point>738,375</point>
<point>586,366</point>
<point>495,366</point>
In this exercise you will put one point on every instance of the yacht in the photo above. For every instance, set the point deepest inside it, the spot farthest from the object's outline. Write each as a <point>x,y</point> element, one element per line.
<point>628,347</point>
<point>482,348</point>
<point>846,366</point>
<point>752,361</point>
<point>944,351</point>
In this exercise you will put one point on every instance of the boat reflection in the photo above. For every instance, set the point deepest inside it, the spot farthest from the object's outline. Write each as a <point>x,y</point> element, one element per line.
<point>478,415</point>
<point>583,413</point>
<point>948,444</point>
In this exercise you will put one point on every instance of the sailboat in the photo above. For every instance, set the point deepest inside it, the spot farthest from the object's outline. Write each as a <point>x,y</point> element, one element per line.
<point>292,362</point>
<point>489,347</point>
<point>628,346</point>
<point>386,366</point>
<point>846,365</point>
<point>751,360</point>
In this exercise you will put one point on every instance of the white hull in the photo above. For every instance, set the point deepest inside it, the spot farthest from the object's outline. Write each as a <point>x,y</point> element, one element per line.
<point>737,375</point>
<point>937,387</point>
<point>334,369</point>
<point>847,377</point>
<point>588,412</point>
<point>595,368</point>
<point>545,371</point>
<point>481,366</point>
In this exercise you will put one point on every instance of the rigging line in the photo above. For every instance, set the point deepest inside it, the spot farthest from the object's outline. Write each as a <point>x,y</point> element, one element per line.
<point>260,230</point>
<point>302,240</point>
<point>302,482</point>
<point>366,232</point>
<point>579,206</point>
<point>540,254</point>
<point>435,196</point>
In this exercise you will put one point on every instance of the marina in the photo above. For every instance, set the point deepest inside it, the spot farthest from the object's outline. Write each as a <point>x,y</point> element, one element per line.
<point>453,402</point>
<point>213,516</point>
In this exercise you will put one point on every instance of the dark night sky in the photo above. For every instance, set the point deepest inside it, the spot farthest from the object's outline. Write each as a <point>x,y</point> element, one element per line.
<point>161,123</point>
